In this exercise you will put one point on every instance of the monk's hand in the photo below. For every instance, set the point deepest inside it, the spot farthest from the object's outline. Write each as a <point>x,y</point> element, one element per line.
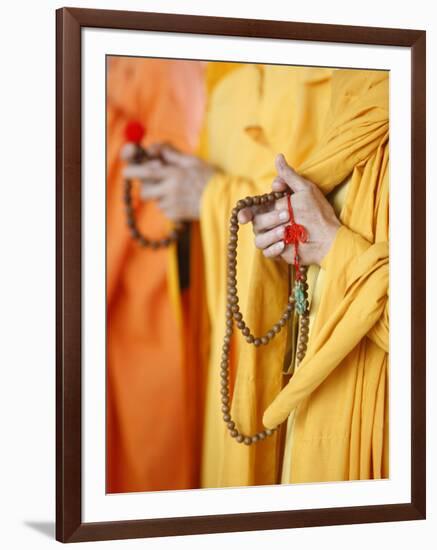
<point>174,179</point>
<point>311,209</point>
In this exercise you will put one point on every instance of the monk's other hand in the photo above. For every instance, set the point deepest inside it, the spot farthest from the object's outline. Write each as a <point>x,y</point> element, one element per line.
<point>174,179</point>
<point>310,208</point>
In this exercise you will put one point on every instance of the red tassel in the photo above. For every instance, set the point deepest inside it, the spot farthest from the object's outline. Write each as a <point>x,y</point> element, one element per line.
<point>293,234</point>
<point>134,131</point>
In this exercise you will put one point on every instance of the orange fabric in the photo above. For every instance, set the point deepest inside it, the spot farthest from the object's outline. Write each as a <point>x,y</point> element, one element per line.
<point>150,425</point>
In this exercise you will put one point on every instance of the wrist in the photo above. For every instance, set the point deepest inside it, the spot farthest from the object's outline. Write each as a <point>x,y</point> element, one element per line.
<point>330,236</point>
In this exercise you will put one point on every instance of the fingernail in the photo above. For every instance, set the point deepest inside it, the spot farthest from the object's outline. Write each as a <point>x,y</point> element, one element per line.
<point>278,247</point>
<point>283,215</point>
<point>280,232</point>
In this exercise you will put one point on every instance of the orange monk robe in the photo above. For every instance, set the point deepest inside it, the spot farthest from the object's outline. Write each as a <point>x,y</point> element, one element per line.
<point>150,432</point>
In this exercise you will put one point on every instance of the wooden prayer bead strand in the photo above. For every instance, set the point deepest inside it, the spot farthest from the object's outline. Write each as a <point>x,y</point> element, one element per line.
<point>234,316</point>
<point>144,241</point>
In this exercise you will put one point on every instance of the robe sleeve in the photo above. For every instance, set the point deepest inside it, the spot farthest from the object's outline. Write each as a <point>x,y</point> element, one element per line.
<point>340,262</point>
<point>363,269</point>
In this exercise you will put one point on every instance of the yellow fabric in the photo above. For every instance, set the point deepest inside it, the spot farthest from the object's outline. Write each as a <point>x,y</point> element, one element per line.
<point>330,125</point>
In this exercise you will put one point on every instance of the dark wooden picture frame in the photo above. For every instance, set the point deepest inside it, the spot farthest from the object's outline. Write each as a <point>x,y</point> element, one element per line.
<point>69,525</point>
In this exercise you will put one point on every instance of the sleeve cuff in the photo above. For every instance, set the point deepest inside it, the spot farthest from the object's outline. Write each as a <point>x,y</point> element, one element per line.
<point>346,247</point>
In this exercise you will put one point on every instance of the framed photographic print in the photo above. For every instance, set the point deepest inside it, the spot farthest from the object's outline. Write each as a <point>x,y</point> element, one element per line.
<point>240,274</point>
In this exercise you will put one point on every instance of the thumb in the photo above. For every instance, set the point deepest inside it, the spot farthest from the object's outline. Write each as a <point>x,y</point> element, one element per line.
<point>291,178</point>
<point>127,152</point>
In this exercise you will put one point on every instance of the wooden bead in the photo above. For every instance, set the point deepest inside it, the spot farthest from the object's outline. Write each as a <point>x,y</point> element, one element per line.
<point>233,314</point>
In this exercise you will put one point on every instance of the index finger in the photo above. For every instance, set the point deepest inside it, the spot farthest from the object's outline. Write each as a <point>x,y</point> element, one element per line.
<point>245,215</point>
<point>151,191</point>
<point>149,170</point>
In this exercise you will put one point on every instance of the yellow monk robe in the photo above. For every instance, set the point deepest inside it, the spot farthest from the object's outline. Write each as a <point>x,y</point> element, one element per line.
<point>331,125</point>
<point>151,427</point>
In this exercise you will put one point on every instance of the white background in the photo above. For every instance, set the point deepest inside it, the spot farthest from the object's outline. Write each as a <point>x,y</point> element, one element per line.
<point>27,274</point>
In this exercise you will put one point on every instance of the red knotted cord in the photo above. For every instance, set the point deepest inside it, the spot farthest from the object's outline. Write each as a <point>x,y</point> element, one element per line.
<point>293,234</point>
